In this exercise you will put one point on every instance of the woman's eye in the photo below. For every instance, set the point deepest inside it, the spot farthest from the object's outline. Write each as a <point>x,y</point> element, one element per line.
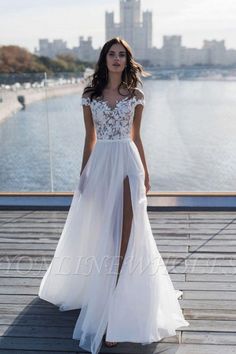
<point>120,55</point>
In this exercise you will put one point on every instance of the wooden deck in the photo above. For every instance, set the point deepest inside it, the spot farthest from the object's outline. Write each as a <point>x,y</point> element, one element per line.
<point>199,249</point>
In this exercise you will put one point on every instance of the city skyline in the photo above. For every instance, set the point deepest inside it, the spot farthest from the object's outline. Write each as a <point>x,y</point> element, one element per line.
<point>193,20</point>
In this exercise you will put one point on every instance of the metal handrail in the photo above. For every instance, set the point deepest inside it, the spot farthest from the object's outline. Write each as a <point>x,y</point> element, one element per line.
<point>151,194</point>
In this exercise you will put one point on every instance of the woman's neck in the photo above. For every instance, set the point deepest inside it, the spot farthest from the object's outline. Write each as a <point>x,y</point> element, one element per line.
<point>113,83</point>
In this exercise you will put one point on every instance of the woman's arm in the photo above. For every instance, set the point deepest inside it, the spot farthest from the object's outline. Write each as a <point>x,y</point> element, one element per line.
<point>138,141</point>
<point>90,135</point>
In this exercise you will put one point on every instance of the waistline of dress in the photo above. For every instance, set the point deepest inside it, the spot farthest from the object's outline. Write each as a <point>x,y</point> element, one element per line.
<point>113,140</point>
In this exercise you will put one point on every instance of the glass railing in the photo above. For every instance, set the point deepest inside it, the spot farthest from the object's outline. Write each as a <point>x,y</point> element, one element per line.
<point>188,131</point>
<point>41,132</point>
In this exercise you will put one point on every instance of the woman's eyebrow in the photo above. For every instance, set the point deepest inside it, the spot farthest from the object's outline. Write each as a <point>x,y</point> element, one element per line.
<point>112,51</point>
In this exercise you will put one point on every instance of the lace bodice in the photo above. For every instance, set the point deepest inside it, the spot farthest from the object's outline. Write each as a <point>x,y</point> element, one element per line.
<point>113,123</point>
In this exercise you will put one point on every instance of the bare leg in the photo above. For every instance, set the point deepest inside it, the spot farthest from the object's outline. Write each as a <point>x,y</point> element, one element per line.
<point>126,228</point>
<point>127,222</point>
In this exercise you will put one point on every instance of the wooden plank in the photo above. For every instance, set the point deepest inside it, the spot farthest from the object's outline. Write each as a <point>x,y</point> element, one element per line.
<point>26,230</point>
<point>21,246</point>
<point>228,262</point>
<point>44,320</point>
<point>34,252</point>
<point>22,273</point>
<point>197,248</point>
<point>211,215</point>
<point>217,226</point>
<point>170,235</point>
<point>32,310</point>
<point>6,282</point>
<point>167,242</point>
<point>212,326</point>
<point>23,266</point>
<point>17,299</point>
<point>38,331</point>
<point>200,349</point>
<point>187,262</point>
<point>222,236</point>
<point>213,249</point>
<point>16,351</point>
<point>48,344</point>
<point>211,232</point>
<point>20,290</point>
<point>51,246</point>
<point>178,279</point>
<point>209,295</point>
<point>216,338</point>
<point>30,219</point>
<point>201,270</point>
<point>199,255</point>
<point>210,314</point>
<point>211,242</point>
<point>211,277</point>
<point>29,235</point>
<point>195,285</point>
<point>38,273</point>
<point>70,345</point>
<point>208,304</point>
<point>18,258</point>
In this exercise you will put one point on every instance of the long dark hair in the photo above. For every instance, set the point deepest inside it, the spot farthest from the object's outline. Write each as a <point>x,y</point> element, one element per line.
<point>130,75</point>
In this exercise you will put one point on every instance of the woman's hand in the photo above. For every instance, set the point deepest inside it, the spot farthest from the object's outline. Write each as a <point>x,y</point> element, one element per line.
<point>147,182</point>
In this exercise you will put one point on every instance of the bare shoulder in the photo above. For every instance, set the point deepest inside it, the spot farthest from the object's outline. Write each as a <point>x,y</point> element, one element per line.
<point>86,93</point>
<point>138,93</point>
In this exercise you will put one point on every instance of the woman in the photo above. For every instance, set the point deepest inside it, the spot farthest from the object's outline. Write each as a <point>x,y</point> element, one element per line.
<point>106,261</point>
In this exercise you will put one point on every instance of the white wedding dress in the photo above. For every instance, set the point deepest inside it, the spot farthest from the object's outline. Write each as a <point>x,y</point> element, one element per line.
<point>143,307</point>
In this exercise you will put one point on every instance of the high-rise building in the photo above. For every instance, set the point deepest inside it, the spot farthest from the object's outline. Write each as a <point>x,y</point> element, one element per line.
<point>136,32</point>
<point>85,50</point>
<point>214,52</point>
<point>52,49</point>
<point>44,47</point>
<point>172,51</point>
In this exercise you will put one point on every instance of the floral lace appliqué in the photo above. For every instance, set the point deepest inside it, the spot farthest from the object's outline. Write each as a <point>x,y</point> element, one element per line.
<point>113,122</point>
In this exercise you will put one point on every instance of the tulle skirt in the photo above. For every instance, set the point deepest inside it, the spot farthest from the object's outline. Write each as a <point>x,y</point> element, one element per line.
<point>143,306</point>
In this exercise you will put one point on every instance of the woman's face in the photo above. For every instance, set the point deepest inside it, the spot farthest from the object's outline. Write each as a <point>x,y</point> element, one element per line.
<point>116,58</point>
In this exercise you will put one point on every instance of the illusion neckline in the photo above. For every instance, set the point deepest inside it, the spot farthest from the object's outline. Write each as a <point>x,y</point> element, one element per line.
<point>106,102</point>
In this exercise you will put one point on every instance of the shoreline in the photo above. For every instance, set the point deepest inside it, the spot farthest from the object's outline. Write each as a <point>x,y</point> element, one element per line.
<point>10,104</point>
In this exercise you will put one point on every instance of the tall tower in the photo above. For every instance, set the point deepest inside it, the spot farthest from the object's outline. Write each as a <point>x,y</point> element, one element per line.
<point>129,19</point>
<point>147,28</point>
<point>110,25</point>
<point>137,32</point>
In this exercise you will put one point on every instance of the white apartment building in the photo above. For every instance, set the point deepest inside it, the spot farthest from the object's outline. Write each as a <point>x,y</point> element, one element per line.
<point>85,50</point>
<point>214,52</point>
<point>52,49</point>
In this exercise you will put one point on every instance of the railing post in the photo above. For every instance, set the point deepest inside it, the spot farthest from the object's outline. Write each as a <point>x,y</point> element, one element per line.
<point>49,135</point>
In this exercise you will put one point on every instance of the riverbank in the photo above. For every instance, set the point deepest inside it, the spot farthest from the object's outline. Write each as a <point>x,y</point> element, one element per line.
<point>9,104</point>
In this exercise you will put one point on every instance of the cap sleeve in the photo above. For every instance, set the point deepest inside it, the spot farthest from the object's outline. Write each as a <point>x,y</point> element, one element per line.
<point>85,101</point>
<point>140,101</point>
<point>139,97</point>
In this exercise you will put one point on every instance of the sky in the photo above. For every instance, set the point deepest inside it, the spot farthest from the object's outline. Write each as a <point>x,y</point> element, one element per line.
<point>23,22</point>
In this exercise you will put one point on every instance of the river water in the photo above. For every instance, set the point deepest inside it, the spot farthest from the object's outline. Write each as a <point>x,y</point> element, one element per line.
<point>188,131</point>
